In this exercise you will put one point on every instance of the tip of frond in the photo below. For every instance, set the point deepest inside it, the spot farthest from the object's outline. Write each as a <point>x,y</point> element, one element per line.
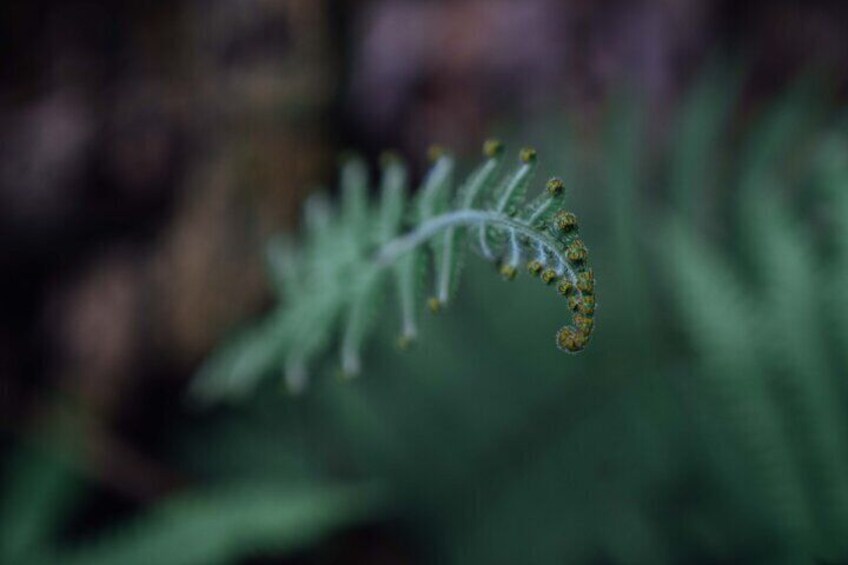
<point>492,148</point>
<point>435,305</point>
<point>436,152</point>
<point>565,288</point>
<point>549,276</point>
<point>571,340</point>
<point>555,186</point>
<point>534,267</point>
<point>527,155</point>
<point>574,338</point>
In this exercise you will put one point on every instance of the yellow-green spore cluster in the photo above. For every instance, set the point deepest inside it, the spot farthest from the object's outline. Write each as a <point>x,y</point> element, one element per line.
<point>565,265</point>
<point>577,285</point>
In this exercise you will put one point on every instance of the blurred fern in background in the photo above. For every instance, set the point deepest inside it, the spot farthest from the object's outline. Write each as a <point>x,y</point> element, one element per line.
<point>707,423</point>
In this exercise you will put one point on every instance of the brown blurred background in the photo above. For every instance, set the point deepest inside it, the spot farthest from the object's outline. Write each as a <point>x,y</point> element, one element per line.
<point>147,149</point>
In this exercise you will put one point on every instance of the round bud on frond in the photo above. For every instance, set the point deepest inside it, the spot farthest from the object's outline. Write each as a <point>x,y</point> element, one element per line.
<point>565,221</point>
<point>435,305</point>
<point>508,272</point>
<point>586,282</point>
<point>565,288</point>
<point>404,342</point>
<point>584,323</point>
<point>534,267</point>
<point>492,148</point>
<point>587,305</point>
<point>527,155</point>
<point>571,339</point>
<point>574,302</point>
<point>555,186</point>
<point>549,276</point>
<point>577,252</point>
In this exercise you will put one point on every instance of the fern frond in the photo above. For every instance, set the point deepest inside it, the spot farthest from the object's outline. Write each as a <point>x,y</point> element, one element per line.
<point>337,275</point>
<point>221,525</point>
<point>722,322</point>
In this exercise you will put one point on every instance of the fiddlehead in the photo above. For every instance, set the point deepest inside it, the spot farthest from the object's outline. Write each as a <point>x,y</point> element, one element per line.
<point>336,276</point>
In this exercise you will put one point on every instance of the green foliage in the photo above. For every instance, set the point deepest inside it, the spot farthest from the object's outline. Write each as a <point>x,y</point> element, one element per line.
<point>220,526</point>
<point>706,424</point>
<point>214,525</point>
<point>36,494</point>
<point>335,277</point>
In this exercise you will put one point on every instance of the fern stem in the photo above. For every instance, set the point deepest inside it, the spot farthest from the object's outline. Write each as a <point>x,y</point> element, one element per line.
<point>445,270</point>
<point>392,250</point>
